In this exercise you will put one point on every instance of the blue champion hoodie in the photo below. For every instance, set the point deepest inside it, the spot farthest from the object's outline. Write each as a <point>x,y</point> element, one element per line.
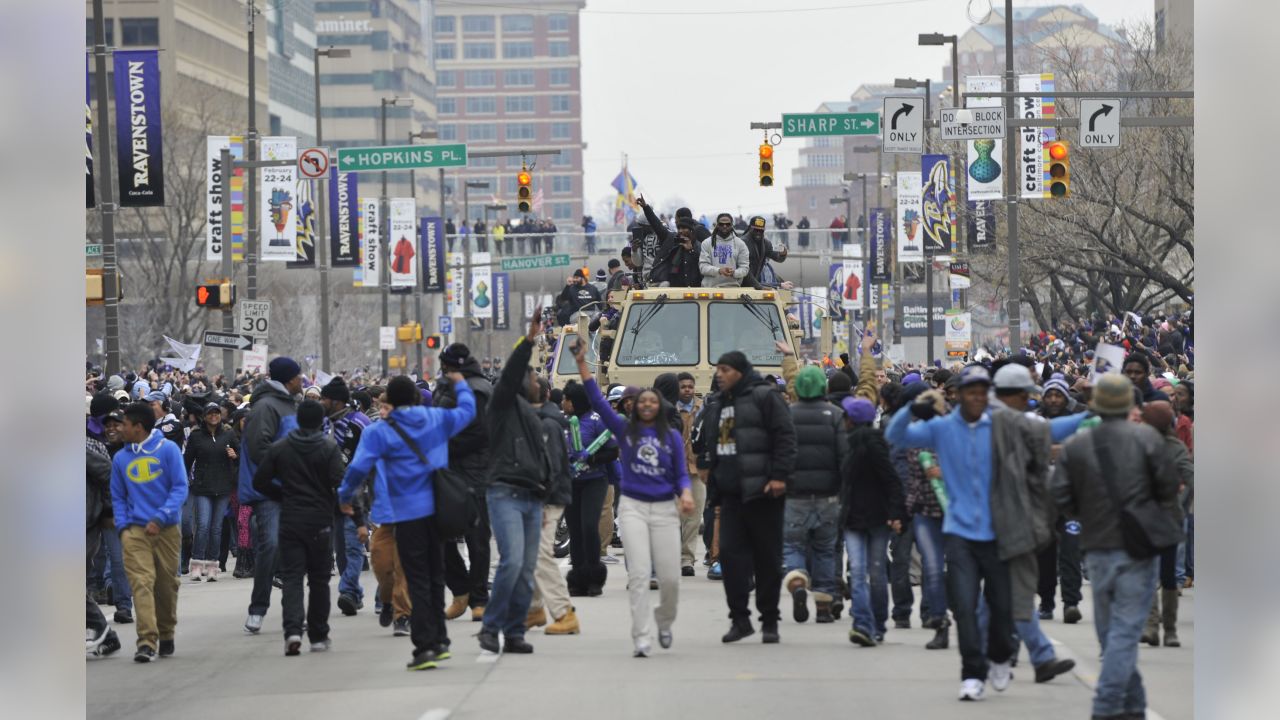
<point>148,482</point>
<point>402,488</point>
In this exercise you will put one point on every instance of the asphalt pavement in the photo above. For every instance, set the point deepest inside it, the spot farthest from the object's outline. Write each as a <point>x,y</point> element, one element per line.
<point>219,671</point>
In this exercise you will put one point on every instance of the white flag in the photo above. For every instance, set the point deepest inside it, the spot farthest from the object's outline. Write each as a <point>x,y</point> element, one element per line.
<point>183,350</point>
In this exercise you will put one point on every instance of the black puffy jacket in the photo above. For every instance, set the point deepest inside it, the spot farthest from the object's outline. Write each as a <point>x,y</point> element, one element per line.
<point>211,471</point>
<point>469,449</point>
<point>554,426</point>
<point>754,445</point>
<point>517,453</point>
<point>872,492</point>
<point>310,467</point>
<point>821,443</point>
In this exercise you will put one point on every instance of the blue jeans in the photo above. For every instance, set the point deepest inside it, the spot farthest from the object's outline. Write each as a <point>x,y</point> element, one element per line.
<point>120,590</point>
<point>516,518</point>
<point>209,510</point>
<point>266,540</point>
<point>188,531</point>
<point>1122,591</point>
<point>350,555</point>
<point>811,530</point>
<point>1186,551</point>
<point>868,556</point>
<point>933,581</point>
<point>1038,646</point>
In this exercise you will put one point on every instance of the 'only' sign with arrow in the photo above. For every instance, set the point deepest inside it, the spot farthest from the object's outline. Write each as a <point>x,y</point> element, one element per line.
<point>1100,123</point>
<point>904,125</point>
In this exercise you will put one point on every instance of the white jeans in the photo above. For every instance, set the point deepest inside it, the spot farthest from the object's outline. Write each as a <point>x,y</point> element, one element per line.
<point>548,584</point>
<point>651,536</point>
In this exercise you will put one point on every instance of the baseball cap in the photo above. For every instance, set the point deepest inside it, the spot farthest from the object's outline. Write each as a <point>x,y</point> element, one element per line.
<point>616,394</point>
<point>155,396</point>
<point>1014,377</point>
<point>975,374</point>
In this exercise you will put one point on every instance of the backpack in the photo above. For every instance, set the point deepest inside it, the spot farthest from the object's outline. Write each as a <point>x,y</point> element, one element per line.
<point>456,508</point>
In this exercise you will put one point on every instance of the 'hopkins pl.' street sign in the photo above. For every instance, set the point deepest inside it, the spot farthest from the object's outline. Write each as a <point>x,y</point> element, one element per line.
<point>401,157</point>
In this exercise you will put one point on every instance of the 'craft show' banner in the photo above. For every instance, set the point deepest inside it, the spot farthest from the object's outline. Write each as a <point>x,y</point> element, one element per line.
<point>937,200</point>
<point>1035,140</point>
<point>881,238</point>
<point>910,243</point>
<point>369,274</point>
<point>502,301</point>
<point>404,256</point>
<point>139,151</point>
<point>214,203</point>
<point>432,248</point>
<point>344,208</point>
<point>278,200</point>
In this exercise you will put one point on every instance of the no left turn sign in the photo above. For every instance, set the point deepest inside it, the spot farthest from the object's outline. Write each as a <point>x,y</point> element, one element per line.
<point>313,163</point>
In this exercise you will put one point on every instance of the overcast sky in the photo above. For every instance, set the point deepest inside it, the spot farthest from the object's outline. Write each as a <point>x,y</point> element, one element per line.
<point>675,84</point>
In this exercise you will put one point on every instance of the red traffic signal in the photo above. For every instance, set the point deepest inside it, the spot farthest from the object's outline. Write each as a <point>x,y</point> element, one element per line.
<point>434,342</point>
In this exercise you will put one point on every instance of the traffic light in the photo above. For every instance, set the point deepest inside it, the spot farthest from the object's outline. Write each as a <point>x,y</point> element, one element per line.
<point>524,194</point>
<point>216,295</point>
<point>97,285</point>
<point>766,165</point>
<point>434,342</point>
<point>1059,169</point>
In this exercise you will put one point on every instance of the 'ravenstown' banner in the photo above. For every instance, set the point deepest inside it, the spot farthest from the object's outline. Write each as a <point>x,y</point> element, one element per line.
<point>881,240</point>
<point>343,211</point>
<point>140,157</point>
<point>432,249</point>
<point>982,225</point>
<point>502,301</point>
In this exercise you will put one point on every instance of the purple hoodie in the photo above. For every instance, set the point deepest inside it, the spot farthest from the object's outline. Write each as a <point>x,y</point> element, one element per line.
<point>652,470</point>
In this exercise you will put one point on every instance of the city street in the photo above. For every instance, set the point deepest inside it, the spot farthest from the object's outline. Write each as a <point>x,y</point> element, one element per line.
<point>219,671</point>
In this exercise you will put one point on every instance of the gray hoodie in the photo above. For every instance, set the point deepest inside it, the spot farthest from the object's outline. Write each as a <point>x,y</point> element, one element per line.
<point>724,252</point>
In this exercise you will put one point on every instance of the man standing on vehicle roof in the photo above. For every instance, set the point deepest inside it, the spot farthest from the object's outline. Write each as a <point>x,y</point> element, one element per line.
<point>725,259</point>
<point>760,250</point>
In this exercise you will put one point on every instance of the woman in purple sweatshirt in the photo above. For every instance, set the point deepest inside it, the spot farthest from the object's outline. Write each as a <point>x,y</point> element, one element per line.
<point>655,490</point>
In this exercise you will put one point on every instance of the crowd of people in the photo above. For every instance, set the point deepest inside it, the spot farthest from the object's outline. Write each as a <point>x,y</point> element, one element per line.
<point>1009,477</point>
<point>528,234</point>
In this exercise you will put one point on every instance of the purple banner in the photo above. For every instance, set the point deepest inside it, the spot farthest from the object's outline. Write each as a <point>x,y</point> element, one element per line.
<point>88,141</point>
<point>431,248</point>
<point>881,241</point>
<point>140,155</point>
<point>938,203</point>
<point>343,212</point>
<point>502,301</point>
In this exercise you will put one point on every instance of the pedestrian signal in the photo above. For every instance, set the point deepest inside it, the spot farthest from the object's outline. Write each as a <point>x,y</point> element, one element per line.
<point>766,165</point>
<point>216,295</point>
<point>1059,169</point>
<point>434,342</point>
<point>524,194</point>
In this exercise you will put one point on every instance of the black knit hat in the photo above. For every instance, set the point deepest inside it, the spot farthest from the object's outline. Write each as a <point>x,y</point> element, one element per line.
<point>736,360</point>
<point>102,404</point>
<point>310,415</point>
<point>455,355</point>
<point>336,389</point>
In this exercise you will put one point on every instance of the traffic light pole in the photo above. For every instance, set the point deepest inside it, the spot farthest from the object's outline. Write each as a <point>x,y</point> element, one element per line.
<point>106,198</point>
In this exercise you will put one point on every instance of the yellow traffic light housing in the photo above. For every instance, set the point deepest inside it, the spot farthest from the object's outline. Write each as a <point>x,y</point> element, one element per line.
<point>524,192</point>
<point>766,165</point>
<point>1059,169</point>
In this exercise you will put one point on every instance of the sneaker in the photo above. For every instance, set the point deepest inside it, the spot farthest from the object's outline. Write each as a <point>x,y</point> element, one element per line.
<point>737,631</point>
<point>1000,675</point>
<point>292,645</point>
<point>321,645</point>
<point>347,604</point>
<point>857,637</point>
<point>442,651</point>
<point>489,642</point>
<point>904,624</point>
<point>664,639</point>
<point>769,634</point>
<point>714,573</point>
<point>971,690</point>
<point>879,638</point>
<point>686,571</point>
<point>109,644</point>
<point>643,649</point>
<point>253,624</point>
<point>144,655</point>
<point>166,648</point>
<point>609,559</point>
<point>1052,669</point>
<point>211,571</point>
<point>277,582</point>
<point>425,660</point>
<point>837,607</point>
<point>1046,614</point>
<point>800,604</point>
<point>401,627</point>
<point>1071,615</point>
<point>386,615</point>
<point>516,644</point>
<point>93,639</point>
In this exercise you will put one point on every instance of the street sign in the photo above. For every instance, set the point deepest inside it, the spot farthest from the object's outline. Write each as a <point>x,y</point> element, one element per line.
<point>255,318</point>
<point>988,122</point>
<point>813,124</point>
<point>228,342</point>
<point>905,119</point>
<point>536,262</point>
<point>446,325</point>
<point>1099,123</point>
<point>94,250</point>
<point>401,157</point>
<point>313,163</point>
<point>386,338</point>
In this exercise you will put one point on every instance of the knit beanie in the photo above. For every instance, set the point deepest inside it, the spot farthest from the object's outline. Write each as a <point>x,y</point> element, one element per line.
<point>839,382</point>
<point>859,410</point>
<point>283,369</point>
<point>310,415</point>
<point>736,360</point>
<point>811,383</point>
<point>336,390</point>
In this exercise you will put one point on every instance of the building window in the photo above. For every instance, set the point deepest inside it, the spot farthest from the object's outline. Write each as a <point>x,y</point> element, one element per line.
<point>482,162</point>
<point>482,105</point>
<point>561,184</point>
<point>477,23</point>
<point>517,78</point>
<point>111,32</point>
<point>558,22</point>
<point>446,78</point>
<point>480,78</point>
<point>478,51</point>
<point>563,159</point>
<point>519,104</point>
<point>139,31</point>
<point>517,23</point>
<point>447,132</point>
<point>560,104</point>
<point>517,50</point>
<point>813,203</point>
<point>522,131</point>
<point>447,106</point>
<point>558,48</point>
<point>446,24</point>
<point>562,211</point>
<point>560,76</point>
<point>482,131</point>
<point>274,125</point>
<point>446,51</point>
<point>561,131</point>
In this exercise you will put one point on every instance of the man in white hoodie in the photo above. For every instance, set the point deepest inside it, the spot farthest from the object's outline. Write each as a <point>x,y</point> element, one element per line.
<point>724,259</point>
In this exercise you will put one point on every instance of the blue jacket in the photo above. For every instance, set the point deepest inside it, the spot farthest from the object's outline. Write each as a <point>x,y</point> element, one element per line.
<point>402,486</point>
<point>964,454</point>
<point>148,483</point>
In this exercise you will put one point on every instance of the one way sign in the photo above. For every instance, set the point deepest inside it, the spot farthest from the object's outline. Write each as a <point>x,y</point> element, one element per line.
<point>227,342</point>
<point>902,130</point>
<point>1100,123</point>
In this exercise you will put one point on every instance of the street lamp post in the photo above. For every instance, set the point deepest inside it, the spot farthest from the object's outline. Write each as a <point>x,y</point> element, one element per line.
<point>911,84</point>
<point>417,287</point>
<point>385,280</point>
<point>322,241</point>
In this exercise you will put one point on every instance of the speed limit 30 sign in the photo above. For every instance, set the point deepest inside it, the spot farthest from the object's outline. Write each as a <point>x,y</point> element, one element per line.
<point>255,318</point>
